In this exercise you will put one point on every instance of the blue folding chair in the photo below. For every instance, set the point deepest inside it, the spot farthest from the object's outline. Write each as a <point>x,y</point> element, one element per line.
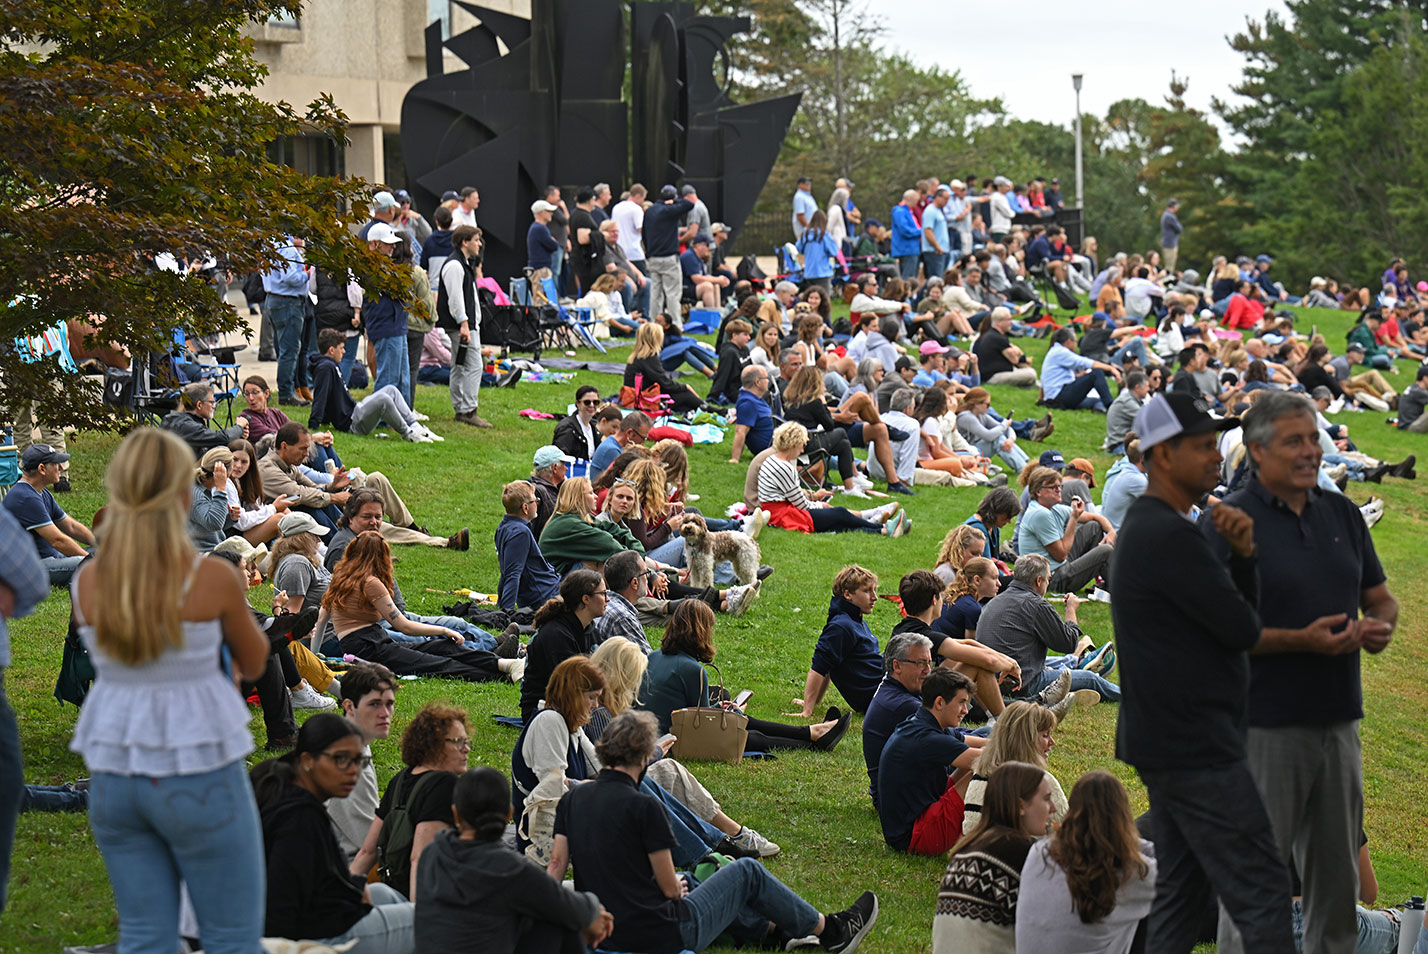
<point>788,265</point>
<point>223,376</point>
<point>581,320</point>
<point>520,291</point>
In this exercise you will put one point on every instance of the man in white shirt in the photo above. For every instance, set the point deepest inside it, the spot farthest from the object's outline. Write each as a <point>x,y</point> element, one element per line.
<point>465,211</point>
<point>629,215</point>
<point>369,699</point>
<point>1001,209</point>
<point>1141,294</point>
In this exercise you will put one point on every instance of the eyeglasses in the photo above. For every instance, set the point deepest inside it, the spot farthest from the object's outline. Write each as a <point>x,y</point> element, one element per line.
<point>462,744</point>
<point>924,664</point>
<point>603,594</point>
<point>624,480</point>
<point>344,761</point>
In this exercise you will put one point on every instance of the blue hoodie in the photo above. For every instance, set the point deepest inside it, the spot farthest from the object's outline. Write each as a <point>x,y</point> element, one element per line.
<point>847,652</point>
<point>906,236</point>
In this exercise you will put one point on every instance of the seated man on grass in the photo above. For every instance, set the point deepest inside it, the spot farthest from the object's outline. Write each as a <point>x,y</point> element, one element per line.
<point>369,699</point>
<point>1075,542</point>
<point>847,654</point>
<point>332,403</point>
<point>1019,623</point>
<point>919,806</point>
<point>1068,379</point>
<point>60,540</point>
<point>753,419</point>
<point>634,429</point>
<point>527,578</point>
<point>192,421</point>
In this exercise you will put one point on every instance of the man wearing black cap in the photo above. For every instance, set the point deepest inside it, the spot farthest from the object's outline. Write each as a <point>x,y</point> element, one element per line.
<point>1303,740</point>
<point>904,370</point>
<point>60,540</point>
<point>465,211</point>
<point>663,221</point>
<point>1185,620</point>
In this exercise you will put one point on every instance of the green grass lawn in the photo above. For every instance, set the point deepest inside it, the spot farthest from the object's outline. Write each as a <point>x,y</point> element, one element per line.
<point>814,805</point>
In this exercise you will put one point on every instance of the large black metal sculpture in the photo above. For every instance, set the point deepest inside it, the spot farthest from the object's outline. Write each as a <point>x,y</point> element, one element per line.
<point>550,110</point>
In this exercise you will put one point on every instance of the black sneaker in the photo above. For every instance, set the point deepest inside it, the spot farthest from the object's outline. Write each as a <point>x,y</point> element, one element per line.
<point>901,488</point>
<point>765,571</point>
<point>508,644</point>
<point>844,931</point>
<point>734,850</point>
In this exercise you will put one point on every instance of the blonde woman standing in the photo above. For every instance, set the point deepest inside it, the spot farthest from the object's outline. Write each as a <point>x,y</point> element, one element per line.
<point>164,732</point>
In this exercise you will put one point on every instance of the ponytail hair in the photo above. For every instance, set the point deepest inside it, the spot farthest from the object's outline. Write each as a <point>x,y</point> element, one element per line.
<point>482,799</point>
<point>577,585</point>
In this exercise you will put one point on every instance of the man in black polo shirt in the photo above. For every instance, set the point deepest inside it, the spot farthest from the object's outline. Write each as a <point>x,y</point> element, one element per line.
<point>1179,610</point>
<point>1319,571</point>
<point>620,841</point>
<point>1001,361</point>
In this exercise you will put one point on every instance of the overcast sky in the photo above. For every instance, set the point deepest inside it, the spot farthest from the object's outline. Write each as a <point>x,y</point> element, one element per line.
<point>1124,48</point>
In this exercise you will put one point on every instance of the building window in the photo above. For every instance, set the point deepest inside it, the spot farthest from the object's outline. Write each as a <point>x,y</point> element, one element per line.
<point>312,155</point>
<point>286,19</point>
<point>394,167</point>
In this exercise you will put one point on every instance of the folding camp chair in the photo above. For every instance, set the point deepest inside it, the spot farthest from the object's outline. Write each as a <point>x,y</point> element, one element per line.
<point>221,372</point>
<point>790,269</point>
<point>580,320</point>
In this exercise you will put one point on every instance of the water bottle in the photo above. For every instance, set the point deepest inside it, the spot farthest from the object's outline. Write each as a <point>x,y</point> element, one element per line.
<point>1410,924</point>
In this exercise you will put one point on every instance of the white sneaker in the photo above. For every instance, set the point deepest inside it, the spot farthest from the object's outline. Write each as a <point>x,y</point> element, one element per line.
<point>751,840</point>
<point>420,416</point>
<point>416,435</point>
<point>1372,514</point>
<point>741,598</point>
<point>755,522</point>
<point>855,491</point>
<point>881,514</point>
<point>517,672</point>
<point>860,481</point>
<point>305,697</point>
<point>430,433</point>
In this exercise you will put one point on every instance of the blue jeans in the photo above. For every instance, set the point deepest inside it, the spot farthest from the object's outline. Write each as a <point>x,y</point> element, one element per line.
<point>318,457</point>
<point>287,313</point>
<point>349,358</point>
<point>693,836</point>
<point>1135,346</point>
<point>476,637</point>
<point>199,830</point>
<point>907,265</point>
<point>671,552</point>
<point>934,264</point>
<point>389,928</point>
<point>12,785</point>
<point>1378,933</point>
<point>61,568</point>
<point>1077,394</point>
<point>743,898</point>
<point>327,516</point>
<point>1015,458</point>
<point>393,368</point>
<point>53,798</point>
<point>1080,679</point>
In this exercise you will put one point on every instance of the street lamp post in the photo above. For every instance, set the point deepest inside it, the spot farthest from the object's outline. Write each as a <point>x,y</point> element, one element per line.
<point>1080,193</point>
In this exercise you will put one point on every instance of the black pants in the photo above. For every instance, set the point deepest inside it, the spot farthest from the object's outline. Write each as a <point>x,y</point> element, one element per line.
<point>838,519</point>
<point>1212,836</point>
<point>435,657</point>
<point>684,399</point>
<point>838,447</point>
<point>414,342</point>
<point>272,687</point>
<point>766,736</point>
<point>542,937</point>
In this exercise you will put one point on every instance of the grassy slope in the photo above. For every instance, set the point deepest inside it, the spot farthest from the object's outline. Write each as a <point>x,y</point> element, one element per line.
<point>815,806</point>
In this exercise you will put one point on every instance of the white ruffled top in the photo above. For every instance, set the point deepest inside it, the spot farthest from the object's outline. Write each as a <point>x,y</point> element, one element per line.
<point>174,715</point>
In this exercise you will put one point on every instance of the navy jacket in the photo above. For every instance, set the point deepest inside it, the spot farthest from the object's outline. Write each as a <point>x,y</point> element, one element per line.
<point>847,652</point>
<point>527,578</point>
<point>331,402</point>
<point>912,773</point>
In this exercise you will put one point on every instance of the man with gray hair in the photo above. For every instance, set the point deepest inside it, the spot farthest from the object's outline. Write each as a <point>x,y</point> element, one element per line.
<point>907,660</point>
<point>192,421</point>
<point>1021,624</point>
<point>603,197</point>
<point>1001,361</point>
<point>779,309</point>
<point>904,452</point>
<point>1320,573</point>
<point>625,584</point>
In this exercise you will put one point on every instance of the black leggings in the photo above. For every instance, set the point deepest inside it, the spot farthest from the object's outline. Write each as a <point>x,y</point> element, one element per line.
<point>272,687</point>
<point>838,519</point>
<point>435,657</point>
<point>685,399</point>
<point>766,736</point>
<point>836,443</point>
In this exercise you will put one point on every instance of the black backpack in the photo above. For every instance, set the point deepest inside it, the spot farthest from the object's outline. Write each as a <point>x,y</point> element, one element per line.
<point>394,844</point>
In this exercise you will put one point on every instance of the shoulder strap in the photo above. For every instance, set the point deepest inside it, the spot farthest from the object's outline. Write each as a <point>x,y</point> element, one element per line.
<point>74,594</point>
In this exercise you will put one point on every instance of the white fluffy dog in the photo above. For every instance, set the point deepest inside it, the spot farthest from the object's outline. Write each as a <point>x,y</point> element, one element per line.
<point>703,549</point>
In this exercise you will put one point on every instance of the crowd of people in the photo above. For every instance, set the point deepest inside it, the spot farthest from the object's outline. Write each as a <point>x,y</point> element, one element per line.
<point>1226,463</point>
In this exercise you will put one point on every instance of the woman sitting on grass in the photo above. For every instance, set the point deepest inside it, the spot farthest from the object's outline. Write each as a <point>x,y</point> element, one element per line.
<point>311,891</point>
<point>1023,734</point>
<point>803,403</point>
<point>359,597</point>
<point>782,496</point>
<point>1088,886</point>
<point>977,902</point>
<point>676,679</point>
<point>961,544</point>
<point>477,896</point>
<point>256,520</point>
<point>931,453</point>
<point>572,536</point>
<point>624,665</point>
<point>644,368</point>
<point>987,433</point>
<point>435,750</point>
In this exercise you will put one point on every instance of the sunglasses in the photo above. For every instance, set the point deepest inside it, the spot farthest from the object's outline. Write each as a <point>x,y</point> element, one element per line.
<point>594,403</point>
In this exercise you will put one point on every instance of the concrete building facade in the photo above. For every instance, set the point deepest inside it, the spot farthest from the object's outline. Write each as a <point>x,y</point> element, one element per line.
<point>367,54</point>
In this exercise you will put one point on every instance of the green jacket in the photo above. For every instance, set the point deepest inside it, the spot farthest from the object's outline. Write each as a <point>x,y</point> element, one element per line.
<point>1363,334</point>
<point>567,539</point>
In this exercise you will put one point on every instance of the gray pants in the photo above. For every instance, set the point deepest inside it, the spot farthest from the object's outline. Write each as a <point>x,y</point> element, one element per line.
<point>1311,778</point>
<point>27,421</point>
<point>1419,426</point>
<point>666,286</point>
<point>466,373</point>
<point>384,405</point>
<point>265,334</point>
<point>1021,377</point>
<point>1087,560</point>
